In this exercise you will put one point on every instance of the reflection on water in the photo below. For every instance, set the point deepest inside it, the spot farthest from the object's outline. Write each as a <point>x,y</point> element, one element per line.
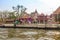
<point>28,34</point>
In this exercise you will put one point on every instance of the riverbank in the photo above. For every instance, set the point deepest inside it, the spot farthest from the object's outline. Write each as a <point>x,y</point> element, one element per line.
<point>38,26</point>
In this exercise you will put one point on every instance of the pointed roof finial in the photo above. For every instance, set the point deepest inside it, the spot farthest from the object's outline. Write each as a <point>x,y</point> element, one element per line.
<point>36,11</point>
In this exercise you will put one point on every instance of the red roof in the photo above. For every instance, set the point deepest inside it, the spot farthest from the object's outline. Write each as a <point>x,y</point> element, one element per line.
<point>42,18</point>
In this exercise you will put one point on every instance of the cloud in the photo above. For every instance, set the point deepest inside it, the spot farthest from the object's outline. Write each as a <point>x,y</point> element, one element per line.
<point>49,5</point>
<point>45,6</point>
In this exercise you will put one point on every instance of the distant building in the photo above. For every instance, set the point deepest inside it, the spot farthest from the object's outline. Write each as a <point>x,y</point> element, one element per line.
<point>51,19</point>
<point>25,17</point>
<point>42,18</point>
<point>34,16</point>
<point>56,12</point>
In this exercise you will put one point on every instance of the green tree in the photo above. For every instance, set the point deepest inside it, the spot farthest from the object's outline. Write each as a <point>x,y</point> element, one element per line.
<point>4,15</point>
<point>19,8</point>
<point>22,10</point>
<point>16,9</point>
<point>12,15</point>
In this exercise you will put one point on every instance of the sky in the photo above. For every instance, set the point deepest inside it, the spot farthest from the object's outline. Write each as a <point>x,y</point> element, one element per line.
<point>42,6</point>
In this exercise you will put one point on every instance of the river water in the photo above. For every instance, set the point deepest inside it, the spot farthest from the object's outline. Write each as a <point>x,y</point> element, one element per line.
<point>28,34</point>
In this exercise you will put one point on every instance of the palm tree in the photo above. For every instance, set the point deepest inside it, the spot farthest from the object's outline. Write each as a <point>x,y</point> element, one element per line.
<point>21,7</point>
<point>13,7</point>
<point>18,6</point>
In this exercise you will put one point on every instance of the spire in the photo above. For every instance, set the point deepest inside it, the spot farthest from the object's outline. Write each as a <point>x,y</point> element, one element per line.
<point>36,11</point>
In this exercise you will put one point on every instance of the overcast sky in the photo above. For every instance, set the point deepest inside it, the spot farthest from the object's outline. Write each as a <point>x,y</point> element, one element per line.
<point>42,6</point>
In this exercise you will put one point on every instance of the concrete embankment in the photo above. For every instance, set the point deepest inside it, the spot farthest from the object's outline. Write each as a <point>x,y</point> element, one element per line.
<point>38,26</point>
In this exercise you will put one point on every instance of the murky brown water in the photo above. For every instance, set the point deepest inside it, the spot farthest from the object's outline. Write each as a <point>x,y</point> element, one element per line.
<point>28,34</point>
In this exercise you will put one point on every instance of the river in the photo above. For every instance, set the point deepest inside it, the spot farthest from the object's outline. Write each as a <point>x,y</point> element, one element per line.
<point>28,34</point>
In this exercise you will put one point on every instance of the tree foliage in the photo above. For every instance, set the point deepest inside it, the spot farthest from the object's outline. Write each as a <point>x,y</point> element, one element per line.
<point>12,15</point>
<point>19,9</point>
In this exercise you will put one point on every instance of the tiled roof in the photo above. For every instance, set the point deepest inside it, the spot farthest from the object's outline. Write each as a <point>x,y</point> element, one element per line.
<point>57,11</point>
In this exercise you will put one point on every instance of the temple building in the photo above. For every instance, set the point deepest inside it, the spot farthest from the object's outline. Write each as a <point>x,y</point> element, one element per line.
<point>56,13</point>
<point>42,18</point>
<point>39,18</point>
<point>34,16</point>
<point>25,17</point>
